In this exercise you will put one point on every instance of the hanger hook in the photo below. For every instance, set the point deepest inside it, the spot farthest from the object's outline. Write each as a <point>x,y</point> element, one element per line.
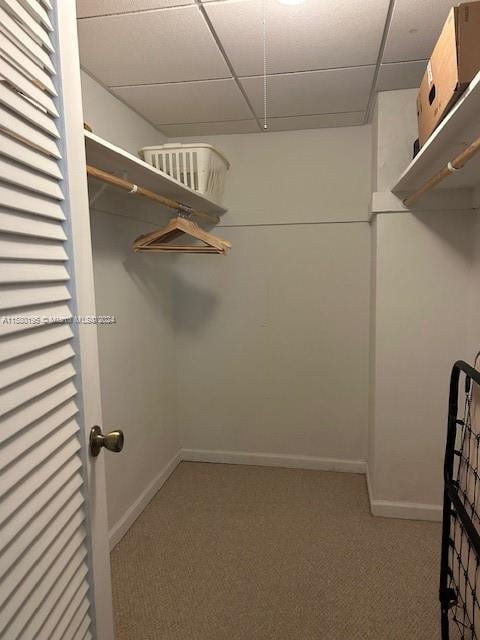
<point>184,211</point>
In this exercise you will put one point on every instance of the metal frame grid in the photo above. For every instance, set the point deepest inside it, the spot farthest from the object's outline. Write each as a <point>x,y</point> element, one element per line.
<point>460,558</point>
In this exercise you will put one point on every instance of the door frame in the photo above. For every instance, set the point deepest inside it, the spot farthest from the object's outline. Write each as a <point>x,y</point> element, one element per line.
<point>83,304</point>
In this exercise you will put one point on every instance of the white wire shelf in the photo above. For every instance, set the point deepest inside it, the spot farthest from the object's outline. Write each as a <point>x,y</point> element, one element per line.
<point>106,156</point>
<point>459,129</point>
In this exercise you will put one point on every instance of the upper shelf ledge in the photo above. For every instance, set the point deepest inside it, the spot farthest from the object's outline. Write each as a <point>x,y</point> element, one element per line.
<point>106,156</point>
<point>459,130</point>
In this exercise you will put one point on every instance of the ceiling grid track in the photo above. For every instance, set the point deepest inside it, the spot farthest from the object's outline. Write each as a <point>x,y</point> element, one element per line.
<point>329,113</point>
<point>252,75</point>
<point>381,51</point>
<point>124,102</point>
<point>134,12</point>
<point>214,80</point>
<point>235,78</point>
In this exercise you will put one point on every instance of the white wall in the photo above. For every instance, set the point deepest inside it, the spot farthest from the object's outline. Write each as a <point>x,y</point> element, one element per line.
<point>422,295</point>
<point>422,291</point>
<point>279,350</point>
<point>394,132</point>
<point>137,359</point>
<point>474,313</point>
<point>272,341</point>
<point>318,175</point>
<point>111,119</point>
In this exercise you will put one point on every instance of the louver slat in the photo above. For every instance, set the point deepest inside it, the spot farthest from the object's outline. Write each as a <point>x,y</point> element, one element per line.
<point>35,410</point>
<point>70,517</point>
<point>25,513</point>
<point>26,86</point>
<point>24,539</point>
<point>12,271</point>
<point>23,130</point>
<point>44,580</point>
<point>71,535</point>
<point>70,612</point>
<point>28,156</point>
<point>37,10</point>
<point>15,31</point>
<point>27,179</point>
<point>31,249</point>
<point>47,471</point>
<point>79,617</point>
<point>83,632</point>
<point>21,368</point>
<point>60,575</point>
<point>19,296</point>
<point>24,466</point>
<point>43,315</point>
<point>26,65</point>
<point>17,103</point>
<point>33,387</point>
<point>18,199</point>
<point>33,226</point>
<point>13,450</point>
<point>33,30</point>
<point>73,573</point>
<point>30,341</point>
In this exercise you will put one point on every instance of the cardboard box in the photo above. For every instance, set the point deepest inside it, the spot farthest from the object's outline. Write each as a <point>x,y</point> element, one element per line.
<point>454,63</point>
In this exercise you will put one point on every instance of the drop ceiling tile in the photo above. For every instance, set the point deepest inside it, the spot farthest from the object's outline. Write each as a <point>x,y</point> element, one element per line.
<point>400,75</point>
<point>414,29</point>
<point>157,46</point>
<point>316,121</point>
<point>314,35</point>
<point>209,128</point>
<point>181,102</point>
<point>89,8</point>
<point>312,92</point>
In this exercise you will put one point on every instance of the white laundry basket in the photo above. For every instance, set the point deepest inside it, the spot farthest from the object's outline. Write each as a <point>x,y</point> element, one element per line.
<point>198,166</point>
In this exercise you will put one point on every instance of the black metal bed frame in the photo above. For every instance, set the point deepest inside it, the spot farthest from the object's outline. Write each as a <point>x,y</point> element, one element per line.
<point>460,554</point>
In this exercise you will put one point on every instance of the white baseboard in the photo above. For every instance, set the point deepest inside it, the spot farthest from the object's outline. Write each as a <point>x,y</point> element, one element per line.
<point>406,510</point>
<point>382,508</point>
<point>273,460</point>
<point>121,527</point>
<point>403,510</point>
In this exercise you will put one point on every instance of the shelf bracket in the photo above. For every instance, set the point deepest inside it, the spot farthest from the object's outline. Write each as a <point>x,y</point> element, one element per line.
<point>110,179</point>
<point>451,167</point>
<point>97,194</point>
<point>101,190</point>
<point>105,186</point>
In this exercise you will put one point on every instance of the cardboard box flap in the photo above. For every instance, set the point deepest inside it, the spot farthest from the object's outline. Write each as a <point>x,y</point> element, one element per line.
<point>454,63</point>
<point>468,41</point>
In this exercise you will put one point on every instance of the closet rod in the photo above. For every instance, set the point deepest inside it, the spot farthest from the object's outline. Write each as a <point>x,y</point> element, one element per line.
<point>454,165</point>
<point>133,188</point>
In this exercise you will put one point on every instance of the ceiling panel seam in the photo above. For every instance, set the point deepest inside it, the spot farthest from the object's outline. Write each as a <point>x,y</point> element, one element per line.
<point>218,42</point>
<point>386,64</point>
<point>299,71</point>
<point>295,115</point>
<point>135,12</point>
<point>140,115</point>
<point>164,84</point>
<point>235,77</point>
<point>381,51</point>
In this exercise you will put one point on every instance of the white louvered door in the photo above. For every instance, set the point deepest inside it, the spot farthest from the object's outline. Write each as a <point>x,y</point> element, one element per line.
<point>54,571</point>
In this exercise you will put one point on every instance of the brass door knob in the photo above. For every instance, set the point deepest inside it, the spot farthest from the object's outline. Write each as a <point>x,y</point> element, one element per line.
<point>112,441</point>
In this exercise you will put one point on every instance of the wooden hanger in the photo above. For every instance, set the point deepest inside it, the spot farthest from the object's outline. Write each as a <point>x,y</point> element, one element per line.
<point>160,240</point>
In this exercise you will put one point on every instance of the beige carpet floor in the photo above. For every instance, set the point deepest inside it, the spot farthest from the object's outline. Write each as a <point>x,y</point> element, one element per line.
<point>227,552</point>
